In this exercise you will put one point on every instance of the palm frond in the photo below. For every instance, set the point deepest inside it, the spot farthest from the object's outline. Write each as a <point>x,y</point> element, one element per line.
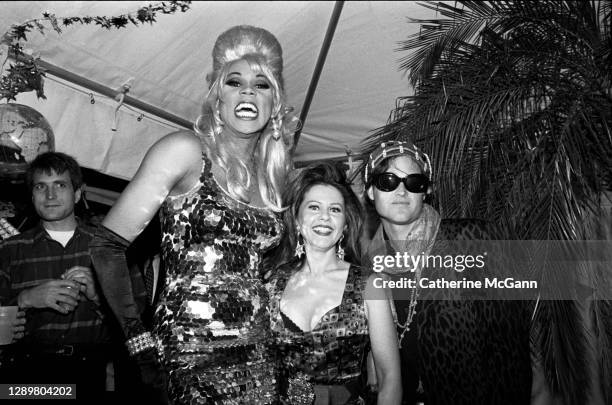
<point>513,102</point>
<point>602,322</point>
<point>561,339</point>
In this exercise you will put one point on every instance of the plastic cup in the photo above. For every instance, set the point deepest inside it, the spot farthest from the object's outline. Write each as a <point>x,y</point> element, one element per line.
<point>8,315</point>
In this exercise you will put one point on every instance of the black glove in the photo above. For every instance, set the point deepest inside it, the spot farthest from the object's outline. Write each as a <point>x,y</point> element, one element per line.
<point>107,250</point>
<point>153,376</point>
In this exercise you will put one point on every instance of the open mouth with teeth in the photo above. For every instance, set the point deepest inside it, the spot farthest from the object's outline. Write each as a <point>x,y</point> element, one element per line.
<point>246,111</point>
<point>322,230</point>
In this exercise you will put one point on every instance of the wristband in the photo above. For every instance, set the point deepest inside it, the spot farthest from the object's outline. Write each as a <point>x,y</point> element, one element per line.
<point>140,343</point>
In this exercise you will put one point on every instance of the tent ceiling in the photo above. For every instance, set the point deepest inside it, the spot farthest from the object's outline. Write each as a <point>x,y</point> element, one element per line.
<point>168,62</point>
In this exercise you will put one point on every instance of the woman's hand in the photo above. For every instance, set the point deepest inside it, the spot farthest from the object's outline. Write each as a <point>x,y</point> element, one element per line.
<point>383,340</point>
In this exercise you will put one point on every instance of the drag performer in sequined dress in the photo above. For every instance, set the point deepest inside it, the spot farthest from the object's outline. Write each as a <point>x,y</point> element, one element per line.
<point>218,191</point>
<point>213,319</point>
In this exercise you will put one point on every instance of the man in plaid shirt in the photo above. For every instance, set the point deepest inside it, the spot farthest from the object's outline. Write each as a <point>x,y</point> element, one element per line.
<point>47,272</point>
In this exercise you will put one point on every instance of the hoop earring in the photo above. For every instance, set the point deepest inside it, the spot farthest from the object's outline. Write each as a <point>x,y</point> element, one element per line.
<point>340,251</point>
<point>299,247</point>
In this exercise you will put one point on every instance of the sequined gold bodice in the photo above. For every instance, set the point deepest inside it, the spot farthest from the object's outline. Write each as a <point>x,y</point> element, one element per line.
<point>213,317</point>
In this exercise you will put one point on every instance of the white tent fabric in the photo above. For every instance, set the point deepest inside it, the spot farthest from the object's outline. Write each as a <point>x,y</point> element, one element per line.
<point>168,62</point>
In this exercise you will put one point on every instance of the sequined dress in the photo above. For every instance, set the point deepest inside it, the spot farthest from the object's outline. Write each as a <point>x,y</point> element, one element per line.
<point>213,317</point>
<point>328,360</point>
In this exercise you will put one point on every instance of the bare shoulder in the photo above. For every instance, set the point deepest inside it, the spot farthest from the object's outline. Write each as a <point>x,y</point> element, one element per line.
<point>184,142</point>
<point>178,151</point>
<point>171,166</point>
<point>182,135</point>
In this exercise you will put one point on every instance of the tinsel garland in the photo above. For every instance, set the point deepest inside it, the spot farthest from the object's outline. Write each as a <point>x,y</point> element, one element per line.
<point>25,75</point>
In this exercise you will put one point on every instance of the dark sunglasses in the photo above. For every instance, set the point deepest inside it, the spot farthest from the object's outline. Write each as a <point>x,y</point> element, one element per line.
<point>415,183</point>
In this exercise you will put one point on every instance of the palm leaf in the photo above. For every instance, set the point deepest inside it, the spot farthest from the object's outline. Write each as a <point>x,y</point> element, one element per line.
<point>513,101</point>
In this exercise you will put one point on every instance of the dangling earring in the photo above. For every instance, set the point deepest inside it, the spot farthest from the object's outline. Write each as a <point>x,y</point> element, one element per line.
<point>218,122</point>
<point>276,133</point>
<point>340,250</point>
<point>299,247</point>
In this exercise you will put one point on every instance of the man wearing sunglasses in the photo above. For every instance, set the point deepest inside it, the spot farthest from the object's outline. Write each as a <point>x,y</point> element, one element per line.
<point>446,344</point>
<point>396,182</point>
<point>398,194</point>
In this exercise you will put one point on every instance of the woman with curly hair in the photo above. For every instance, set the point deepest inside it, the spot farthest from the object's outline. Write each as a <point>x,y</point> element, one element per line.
<point>325,310</point>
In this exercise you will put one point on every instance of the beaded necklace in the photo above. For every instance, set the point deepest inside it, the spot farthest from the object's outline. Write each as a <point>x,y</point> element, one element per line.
<point>419,241</point>
<point>414,295</point>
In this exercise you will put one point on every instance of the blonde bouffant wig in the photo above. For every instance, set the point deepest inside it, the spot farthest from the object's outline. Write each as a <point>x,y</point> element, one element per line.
<point>262,51</point>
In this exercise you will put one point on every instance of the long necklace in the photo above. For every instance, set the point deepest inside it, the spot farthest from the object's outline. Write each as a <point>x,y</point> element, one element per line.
<point>414,295</point>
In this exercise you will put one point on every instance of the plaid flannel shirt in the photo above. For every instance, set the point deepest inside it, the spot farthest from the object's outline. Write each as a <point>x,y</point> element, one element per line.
<point>32,258</point>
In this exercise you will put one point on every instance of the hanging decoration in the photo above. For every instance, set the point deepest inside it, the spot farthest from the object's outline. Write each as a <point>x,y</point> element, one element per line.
<point>24,134</point>
<point>25,75</point>
<point>120,97</point>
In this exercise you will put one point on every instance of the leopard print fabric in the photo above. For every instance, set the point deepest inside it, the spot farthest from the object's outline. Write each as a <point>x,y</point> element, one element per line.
<point>472,351</point>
